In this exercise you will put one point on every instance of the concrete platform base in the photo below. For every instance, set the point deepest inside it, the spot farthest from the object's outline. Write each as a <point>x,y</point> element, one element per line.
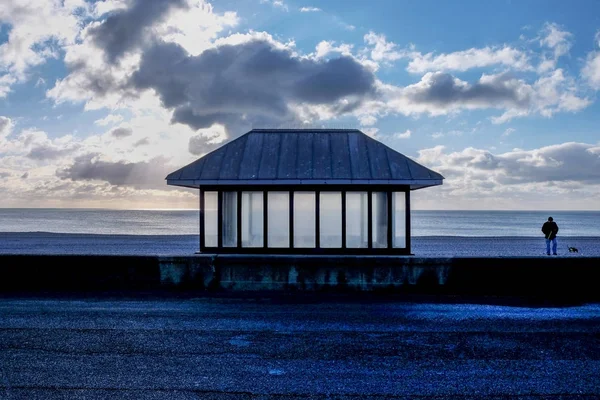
<point>552,277</point>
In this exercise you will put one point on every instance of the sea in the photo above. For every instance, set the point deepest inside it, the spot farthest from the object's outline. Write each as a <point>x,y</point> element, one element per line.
<point>175,232</point>
<point>186,222</point>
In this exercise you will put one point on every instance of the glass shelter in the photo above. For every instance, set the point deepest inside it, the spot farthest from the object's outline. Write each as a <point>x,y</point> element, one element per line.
<point>305,192</point>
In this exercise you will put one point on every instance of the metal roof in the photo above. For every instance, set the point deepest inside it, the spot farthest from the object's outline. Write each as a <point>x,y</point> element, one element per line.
<point>304,156</point>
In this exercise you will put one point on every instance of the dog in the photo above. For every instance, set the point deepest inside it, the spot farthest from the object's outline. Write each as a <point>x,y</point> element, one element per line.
<point>573,250</point>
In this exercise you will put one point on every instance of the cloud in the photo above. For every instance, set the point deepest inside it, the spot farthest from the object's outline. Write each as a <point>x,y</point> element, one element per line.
<point>6,126</point>
<point>509,131</point>
<point>441,93</point>
<point>25,175</point>
<point>144,174</point>
<point>5,175</point>
<point>402,135</point>
<point>121,132</point>
<point>468,59</point>
<point>324,48</point>
<point>381,49</point>
<point>142,142</point>
<point>276,3</point>
<point>591,70</point>
<point>310,9</point>
<point>562,175</point>
<point>100,65</point>
<point>38,29</point>
<point>556,39</point>
<point>125,31</point>
<point>249,83</point>
<point>109,119</point>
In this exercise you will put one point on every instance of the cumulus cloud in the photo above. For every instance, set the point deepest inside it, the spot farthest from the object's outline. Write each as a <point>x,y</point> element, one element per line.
<point>5,126</point>
<point>38,29</point>
<point>249,83</point>
<point>121,132</point>
<point>310,9</point>
<point>508,131</point>
<point>441,93</point>
<point>124,31</point>
<point>100,63</point>
<point>142,142</point>
<point>144,174</point>
<point>109,119</point>
<point>381,50</point>
<point>468,59</point>
<point>402,135</point>
<point>591,69</point>
<point>562,175</point>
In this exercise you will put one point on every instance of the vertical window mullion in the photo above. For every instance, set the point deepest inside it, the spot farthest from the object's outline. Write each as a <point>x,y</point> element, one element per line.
<point>407,221</point>
<point>317,219</point>
<point>239,219</point>
<point>291,219</point>
<point>220,219</point>
<point>370,218</point>
<point>265,219</point>
<point>343,219</point>
<point>389,220</point>
<point>202,231</point>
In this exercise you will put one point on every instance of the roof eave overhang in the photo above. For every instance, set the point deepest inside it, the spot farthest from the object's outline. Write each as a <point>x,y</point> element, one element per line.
<point>196,183</point>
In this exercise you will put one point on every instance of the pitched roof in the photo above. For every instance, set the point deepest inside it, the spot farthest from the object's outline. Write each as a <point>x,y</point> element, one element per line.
<point>304,156</point>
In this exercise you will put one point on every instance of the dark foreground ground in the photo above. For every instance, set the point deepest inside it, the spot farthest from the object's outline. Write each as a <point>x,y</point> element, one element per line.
<point>422,246</point>
<point>262,348</point>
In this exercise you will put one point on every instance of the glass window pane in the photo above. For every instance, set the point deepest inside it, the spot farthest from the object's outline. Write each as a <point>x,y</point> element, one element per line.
<point>211,219</point>
<point>304,219</point>
<point>399,219</point>
<point>379,218</point>
<point>279,219</point>
<point>357,223</point>
<point>252,219</point>
<point>229,207</point>
<point>330,217</point>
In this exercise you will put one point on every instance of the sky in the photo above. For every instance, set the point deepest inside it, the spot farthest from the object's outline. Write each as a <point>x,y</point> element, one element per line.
<point>100,100</point>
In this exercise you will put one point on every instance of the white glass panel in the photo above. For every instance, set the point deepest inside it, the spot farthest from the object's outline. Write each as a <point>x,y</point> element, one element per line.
<point>252,219</point>
<point>330,217</point>
<point>399,219</point>
<point>229,219</point>
<point>357,223</point>
<point>379,218</point>
<point>279,219</point>
<point>304,219</point>
<point>211,219</point>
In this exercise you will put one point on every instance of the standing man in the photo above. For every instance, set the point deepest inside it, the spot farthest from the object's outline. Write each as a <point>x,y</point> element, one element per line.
<point>550,229</point>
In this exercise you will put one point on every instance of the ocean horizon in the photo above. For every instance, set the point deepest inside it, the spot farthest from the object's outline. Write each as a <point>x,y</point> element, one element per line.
<point>462,223</point>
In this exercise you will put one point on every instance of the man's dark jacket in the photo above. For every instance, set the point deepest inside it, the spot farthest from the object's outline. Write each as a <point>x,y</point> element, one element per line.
<point>550,229</point>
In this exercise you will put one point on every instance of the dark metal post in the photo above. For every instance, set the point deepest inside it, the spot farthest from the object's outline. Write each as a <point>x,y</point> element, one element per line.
<point>239,219</point>
<point>291,210</point>
<point>265,219</point>
<point>317,219</point>
<point>201,220</point>
<point>370,218</point>
<point>407,218</point>
<point>220,219</point>
<point>343,219</point>
<point>390,219</point>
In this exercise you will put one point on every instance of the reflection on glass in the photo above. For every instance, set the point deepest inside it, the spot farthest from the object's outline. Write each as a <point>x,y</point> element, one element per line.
<point>279,219</point>
<point>304,219</point>
<point>229,219</point>
<point>379,218</point>
<point>330,217</point>
<point>399,219</point>
<point>357,224</point>
<point>211,219</point>
<point>252,219</point>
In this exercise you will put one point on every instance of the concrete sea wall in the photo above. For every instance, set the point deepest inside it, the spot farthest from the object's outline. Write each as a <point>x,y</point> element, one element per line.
<point>575,278</point>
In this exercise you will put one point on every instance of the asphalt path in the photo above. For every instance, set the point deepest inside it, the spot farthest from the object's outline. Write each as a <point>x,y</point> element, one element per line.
<point>266,349</point>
